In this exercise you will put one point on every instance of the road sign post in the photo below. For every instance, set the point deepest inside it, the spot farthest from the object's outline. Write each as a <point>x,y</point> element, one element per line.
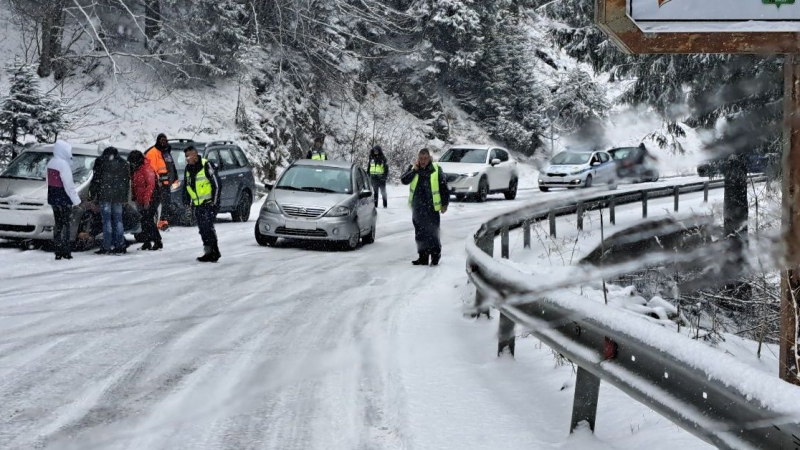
<point>735,27</point>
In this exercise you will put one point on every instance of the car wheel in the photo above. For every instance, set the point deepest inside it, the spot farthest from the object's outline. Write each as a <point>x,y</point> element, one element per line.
<point>352,243</point>
<point>264,240</point>
<point>544,189</point>
<point>460,197</point>
<point>483,190</point>
<point>655,176</point>
<point>242,211</point>
<point>83,239</point>
<point>588,183</point>
<point>511,193</point>
<point>370,238</point>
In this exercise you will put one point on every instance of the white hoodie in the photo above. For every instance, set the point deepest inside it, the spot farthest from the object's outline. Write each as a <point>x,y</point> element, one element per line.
<point>62,163</point>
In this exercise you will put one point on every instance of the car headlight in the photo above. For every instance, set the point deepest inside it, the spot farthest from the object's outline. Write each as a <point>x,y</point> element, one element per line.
<point>175,186</point>
<point>272,207</point>
<point>472,174</point>
<point>339,211</point>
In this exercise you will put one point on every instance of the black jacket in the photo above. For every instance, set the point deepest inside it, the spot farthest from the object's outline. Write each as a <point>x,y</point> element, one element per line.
<point>380,158</point>
<point>111,180</point>
<point>425,201</point>
<point>190,176</point>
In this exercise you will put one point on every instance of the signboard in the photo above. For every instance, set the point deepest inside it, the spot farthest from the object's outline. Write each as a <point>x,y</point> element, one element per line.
<point>694,16</point>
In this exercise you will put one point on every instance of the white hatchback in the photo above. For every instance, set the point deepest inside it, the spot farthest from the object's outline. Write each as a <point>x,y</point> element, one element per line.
<point>572,169</point>
<point>480,170</point>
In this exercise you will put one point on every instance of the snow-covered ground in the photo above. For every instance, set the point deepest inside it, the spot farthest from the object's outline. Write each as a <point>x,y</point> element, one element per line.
<point>283,348</point>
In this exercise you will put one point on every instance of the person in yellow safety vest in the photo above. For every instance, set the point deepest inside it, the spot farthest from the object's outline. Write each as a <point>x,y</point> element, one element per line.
<point>428,197</point>
<point>201,193</point>
<point>378,169</point>
<point>317,153</point>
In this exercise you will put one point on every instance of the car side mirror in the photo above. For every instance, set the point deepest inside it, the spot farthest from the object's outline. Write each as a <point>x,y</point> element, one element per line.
<point>365,194</point>
<point>496,161</point>
<point>269,186</point>
<point>596,163</point>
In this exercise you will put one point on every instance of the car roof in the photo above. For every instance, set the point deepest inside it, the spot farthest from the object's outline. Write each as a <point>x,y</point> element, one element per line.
<point>578,151</point>
<point>474,146</point>
<point>77,149</point>
<point>327,163</point>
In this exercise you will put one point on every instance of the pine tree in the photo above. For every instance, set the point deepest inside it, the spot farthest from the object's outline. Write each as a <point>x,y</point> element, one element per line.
<point>579,100</point>
<point>27,110</point>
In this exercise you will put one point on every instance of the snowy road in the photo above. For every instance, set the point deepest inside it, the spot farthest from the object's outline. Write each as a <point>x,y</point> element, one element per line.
<point>277,348</point>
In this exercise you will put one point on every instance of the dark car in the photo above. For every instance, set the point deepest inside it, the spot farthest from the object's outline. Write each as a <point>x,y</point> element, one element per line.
<point>635,164</point>
<point>235,175</point>
<point>768,164</point>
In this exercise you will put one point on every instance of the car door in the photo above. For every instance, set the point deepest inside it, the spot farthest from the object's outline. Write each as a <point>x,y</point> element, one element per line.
<point>236,174</point>
<point>229,178</point>
<point>597,171</point>
<point>213,157</point>
<point>246,175</point>
<point>506,167</point>
<point>365,206</point>
<point>609,166</point>
<point>494,173</point>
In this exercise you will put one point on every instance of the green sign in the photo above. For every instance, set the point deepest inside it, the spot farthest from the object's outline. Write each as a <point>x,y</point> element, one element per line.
<point>777,3</point>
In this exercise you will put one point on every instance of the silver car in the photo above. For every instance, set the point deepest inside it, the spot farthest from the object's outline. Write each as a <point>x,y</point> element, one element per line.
<point>319,201</point>
<point>572,169</point>
<point>24,212</point>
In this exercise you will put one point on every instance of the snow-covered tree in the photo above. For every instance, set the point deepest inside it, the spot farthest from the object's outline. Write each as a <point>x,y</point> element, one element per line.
<point>27,111</point>
<point>578,100</point>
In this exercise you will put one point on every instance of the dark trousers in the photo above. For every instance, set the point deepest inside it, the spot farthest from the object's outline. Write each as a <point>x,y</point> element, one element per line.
<point>61,234</point>
<point>379,186</point>
<point>205,215</point>
<point>165,197</point>
<point>426,230</point>
<point>149,228</point>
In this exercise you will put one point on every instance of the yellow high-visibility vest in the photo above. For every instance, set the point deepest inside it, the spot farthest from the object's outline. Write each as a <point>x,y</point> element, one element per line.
<point>437,197</point>
<point>376,169</point>
<point>201,191</point>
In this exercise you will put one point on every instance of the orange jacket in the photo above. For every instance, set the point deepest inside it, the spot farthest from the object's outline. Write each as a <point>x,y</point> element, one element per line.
<point>167,173</point>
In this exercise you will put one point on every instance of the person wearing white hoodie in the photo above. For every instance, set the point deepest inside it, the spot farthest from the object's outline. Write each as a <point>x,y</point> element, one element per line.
<point>62,196</point>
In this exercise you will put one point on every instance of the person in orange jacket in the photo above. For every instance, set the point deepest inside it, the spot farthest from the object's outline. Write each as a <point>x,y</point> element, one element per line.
<point>159,157</point>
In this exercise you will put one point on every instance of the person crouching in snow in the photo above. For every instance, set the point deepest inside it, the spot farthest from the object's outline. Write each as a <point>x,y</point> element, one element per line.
<point>202,194</point>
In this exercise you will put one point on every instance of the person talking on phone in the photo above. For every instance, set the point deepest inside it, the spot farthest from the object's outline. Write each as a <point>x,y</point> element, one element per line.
<point>428,197</point>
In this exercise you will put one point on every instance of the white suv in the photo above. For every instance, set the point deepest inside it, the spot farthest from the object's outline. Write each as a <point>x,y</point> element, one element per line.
<point>480,170</point>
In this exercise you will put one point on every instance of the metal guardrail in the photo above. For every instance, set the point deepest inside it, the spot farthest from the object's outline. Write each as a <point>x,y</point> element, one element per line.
<point>718,409</point>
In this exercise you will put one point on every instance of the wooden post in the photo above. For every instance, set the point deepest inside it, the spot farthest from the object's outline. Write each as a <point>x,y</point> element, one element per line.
<point>677,192</point>
<point>644,204</point>
<point>790,278</point>
<point>526,234</point>
<point>579,213</point>
<point>504,250</point>
<point>552,218</point>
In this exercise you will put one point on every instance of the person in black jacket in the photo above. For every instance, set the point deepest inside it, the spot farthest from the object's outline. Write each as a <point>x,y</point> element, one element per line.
<point>428,197</point>
<point>202,193</point>
<point>111,187</point>
<point>378,170</point>
<point>317,152</point>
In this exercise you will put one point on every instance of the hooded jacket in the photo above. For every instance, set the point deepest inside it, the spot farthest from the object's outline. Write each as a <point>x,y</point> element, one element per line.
<point>111,180</point>
<point>376,156</point>
<point>61,189</point>
<point>143,181</point>
<point>160,159</point>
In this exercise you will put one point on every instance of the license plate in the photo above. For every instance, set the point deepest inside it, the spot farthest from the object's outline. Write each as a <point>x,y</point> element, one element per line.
<point>301,225</point>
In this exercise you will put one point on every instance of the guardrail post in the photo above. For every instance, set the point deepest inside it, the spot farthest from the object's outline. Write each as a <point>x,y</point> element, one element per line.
<point>486,244</point>
<point>584,405</point>
<point>612,204</point>
<point>505,336</point>
<point>705,192</point>
<point>504,250</point>
<point>579,213</point>
<point>644,204</point>
<point>552,217</point>
<point>677,192</point>
<point>526,234</point>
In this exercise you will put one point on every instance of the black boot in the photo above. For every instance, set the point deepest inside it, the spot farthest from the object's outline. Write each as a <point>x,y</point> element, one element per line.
<point>385,204</point>
<point>157,246</point>
<point>147,246</point>
<point>207,255</point>
<point>215,254</point>
<point>422,260</point>
<point>435,257</point>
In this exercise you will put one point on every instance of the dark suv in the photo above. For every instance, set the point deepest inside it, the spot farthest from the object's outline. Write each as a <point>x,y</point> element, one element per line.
<point>235,175</point>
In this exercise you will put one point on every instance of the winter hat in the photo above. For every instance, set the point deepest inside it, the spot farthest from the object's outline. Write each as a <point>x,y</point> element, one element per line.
<point>136,159</point>
<point>377,149</point>
<point>110,153</point>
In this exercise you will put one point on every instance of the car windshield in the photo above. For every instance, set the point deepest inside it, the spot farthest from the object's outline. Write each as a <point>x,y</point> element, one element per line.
<point>465,155</point>
<point>180,160</point>
<point>33,166</point>
<point>316,179</point>
<point>567,158</point>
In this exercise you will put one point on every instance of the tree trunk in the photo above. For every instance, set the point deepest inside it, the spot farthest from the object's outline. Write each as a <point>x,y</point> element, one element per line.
<point>735,204</point>
<point>152,20</point>
<point>52,26</point>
